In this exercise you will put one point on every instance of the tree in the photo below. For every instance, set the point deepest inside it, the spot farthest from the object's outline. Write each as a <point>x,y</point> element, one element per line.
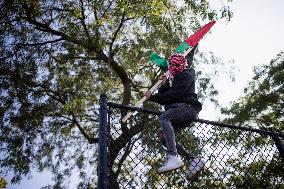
<point>58,56</point>
<point>3,182</point>
<point>262,107</point>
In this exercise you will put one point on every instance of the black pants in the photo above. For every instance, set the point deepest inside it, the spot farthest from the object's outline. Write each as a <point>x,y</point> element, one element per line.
<point>175,114</point>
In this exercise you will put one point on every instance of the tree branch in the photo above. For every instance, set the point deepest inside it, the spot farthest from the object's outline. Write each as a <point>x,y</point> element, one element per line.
<point>41,43</point>
<point>119,143</point>
<point>90,46</point>
<point>105,11</point>
<point>46,28</point>
<point>83,20</point>
<point>116,32</point>
<point>124,156</point>
<point>122,21</point>
<point>90,139</point>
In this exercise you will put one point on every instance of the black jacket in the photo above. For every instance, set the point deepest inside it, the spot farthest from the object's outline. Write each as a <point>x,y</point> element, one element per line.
<point>182,91</point>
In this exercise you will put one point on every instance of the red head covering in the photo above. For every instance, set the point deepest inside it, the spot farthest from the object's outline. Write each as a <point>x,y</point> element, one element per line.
<point>177,63</point>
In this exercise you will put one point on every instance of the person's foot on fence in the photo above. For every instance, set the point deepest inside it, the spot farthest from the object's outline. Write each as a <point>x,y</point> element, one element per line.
<point>172,162</point>
<point>196,165</point>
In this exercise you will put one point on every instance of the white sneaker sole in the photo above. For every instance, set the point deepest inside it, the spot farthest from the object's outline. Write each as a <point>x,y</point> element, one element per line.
<point>170,169</point>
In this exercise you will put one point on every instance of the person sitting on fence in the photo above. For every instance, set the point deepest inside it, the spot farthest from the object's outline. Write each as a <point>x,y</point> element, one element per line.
<point>177,94</point>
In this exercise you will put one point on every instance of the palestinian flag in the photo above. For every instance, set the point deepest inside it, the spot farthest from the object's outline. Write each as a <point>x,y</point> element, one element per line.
<point>190,42</point>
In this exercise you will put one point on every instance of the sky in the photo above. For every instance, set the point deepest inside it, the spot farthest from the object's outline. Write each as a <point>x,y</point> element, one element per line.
<point>253,37</point>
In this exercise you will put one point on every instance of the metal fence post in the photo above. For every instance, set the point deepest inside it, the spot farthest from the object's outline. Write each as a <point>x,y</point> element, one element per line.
<point>102,159</point>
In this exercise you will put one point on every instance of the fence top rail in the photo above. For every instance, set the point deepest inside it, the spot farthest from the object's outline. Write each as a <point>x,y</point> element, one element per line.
<point>155,112</point>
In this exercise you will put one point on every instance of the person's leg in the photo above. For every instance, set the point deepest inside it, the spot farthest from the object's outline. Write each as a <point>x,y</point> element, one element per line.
<point>177,113</point>
<point>188,115</point>
<point>196,162</point>
<point>181,117</point>
<point>180,149</point>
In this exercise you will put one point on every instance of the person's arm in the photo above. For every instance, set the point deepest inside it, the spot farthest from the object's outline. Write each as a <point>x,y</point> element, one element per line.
<point>163,88</point>
<point>178,90</point>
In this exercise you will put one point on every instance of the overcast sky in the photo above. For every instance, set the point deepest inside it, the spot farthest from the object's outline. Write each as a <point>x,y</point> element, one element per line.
<point>253,37</point>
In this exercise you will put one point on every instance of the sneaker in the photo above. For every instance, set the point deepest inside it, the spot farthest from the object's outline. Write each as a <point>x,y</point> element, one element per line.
<point>196,165</point>
<point>171,163</point>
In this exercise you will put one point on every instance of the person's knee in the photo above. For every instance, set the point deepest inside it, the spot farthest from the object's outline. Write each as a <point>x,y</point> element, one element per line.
<point>193,114</point>
<point>163,117</point>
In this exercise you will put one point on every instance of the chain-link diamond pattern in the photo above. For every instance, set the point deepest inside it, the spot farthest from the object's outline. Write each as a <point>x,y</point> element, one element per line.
<point>233,158</point>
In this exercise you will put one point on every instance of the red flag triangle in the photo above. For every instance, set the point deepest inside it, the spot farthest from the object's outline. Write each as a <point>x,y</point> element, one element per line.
<point>195,38</point>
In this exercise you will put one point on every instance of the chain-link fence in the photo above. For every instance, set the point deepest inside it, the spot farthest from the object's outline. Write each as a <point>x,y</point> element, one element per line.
<point>234,157</point>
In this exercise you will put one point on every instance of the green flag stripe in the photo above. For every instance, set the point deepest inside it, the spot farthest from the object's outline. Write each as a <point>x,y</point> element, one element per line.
<point>183,47</point>
<point>159,61</point>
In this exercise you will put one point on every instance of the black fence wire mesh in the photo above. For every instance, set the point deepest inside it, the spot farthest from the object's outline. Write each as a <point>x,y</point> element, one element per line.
<point>234,157</point>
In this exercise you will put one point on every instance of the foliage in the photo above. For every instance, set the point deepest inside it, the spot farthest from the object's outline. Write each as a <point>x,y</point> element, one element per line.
<point>233,158</point>
<point>261,107</point>
<point>58,56</point>
<point>3,182</point>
